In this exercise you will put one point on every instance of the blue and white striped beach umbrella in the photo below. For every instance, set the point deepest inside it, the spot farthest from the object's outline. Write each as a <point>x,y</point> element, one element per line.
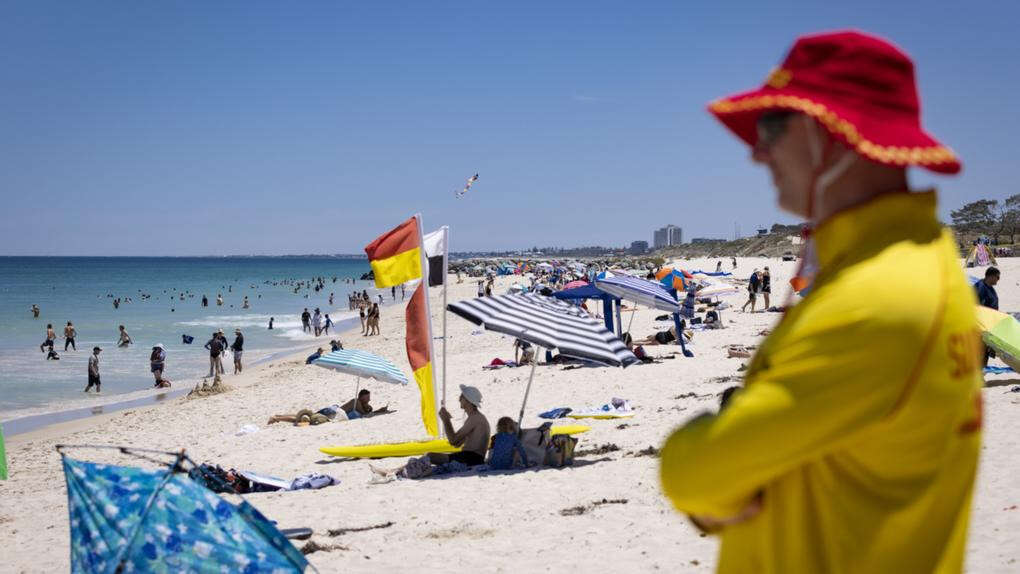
<point>362,364</point>
<point>641,291</point>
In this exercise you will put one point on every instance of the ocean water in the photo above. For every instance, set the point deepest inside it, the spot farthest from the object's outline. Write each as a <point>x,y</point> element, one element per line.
<point>82,290</point>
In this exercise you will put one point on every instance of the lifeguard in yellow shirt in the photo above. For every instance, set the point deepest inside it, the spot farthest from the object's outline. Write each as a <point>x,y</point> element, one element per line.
<point>853,445</point>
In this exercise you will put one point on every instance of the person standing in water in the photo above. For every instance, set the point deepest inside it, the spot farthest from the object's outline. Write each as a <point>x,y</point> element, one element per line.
<point>124,339</point>
<point>50,337</point>
<point>205,301</point>
<point>270,323</point>
<point>94,370</point>
<point>157,364</point>
<point>69,335</point>
<point>317,322</point>
<point>35,311</point>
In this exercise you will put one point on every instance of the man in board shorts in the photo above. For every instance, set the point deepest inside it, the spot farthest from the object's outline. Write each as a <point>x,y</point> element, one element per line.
<point>853,445</point>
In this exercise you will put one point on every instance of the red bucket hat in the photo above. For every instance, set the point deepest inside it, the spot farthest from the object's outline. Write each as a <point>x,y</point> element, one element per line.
<point>860,87</point>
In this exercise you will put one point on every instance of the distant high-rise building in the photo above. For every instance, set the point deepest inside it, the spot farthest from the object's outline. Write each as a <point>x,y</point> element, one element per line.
<point>669,235</point>
<point>638,247</point>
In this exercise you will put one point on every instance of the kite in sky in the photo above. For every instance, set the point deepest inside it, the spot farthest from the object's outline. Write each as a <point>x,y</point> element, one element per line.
<point>470,181</point>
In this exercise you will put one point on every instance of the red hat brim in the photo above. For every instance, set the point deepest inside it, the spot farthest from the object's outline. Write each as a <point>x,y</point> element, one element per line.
<point>885,140</point>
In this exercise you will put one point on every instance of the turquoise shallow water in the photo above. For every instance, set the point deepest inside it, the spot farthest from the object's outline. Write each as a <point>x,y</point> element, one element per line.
<point>82,289</point>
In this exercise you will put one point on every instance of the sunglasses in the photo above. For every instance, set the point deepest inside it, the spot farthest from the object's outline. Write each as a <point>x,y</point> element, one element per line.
<point>772,125</point>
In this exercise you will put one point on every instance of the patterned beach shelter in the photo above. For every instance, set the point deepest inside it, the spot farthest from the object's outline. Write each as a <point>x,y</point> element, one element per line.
<point>547,323</point>
<point>128,519</point>
<point>640,291</point>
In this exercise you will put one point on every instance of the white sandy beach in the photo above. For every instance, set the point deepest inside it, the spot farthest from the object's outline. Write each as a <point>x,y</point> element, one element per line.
<point>499,522</point>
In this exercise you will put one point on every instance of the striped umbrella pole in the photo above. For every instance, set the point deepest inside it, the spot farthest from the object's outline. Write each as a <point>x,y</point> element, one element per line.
<point>527,389</point>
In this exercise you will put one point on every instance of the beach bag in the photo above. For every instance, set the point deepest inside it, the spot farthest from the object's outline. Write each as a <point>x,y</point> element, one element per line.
<point>536,442</point>
<point>418,467</point>
<point>561,451</point>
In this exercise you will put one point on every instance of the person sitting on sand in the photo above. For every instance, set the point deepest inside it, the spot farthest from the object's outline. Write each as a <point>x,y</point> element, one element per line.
<point>360,407</point>
<point>638,350</point>
<point>473,438</point>
<point>526,352</point>
<point>311,358</point>
<point>335,345</point>
<point>505,449</point>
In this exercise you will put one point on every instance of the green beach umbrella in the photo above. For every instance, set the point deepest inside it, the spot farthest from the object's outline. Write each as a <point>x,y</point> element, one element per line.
<point>1001,332</point>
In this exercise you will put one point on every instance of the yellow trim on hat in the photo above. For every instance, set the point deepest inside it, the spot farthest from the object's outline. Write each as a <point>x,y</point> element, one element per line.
<point>837,125</point>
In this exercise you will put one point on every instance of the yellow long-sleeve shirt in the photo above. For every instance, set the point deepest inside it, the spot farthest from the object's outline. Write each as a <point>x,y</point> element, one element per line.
<point>860,419</point>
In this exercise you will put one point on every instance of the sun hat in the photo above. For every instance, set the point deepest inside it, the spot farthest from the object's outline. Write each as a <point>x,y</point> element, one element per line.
<point>861,88</point>
<point>472,394</point>
<point>160,347</point>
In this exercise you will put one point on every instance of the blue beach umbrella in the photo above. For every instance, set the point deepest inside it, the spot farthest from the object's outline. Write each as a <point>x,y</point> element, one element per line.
<point>128,519</point>
<point>362,364</point>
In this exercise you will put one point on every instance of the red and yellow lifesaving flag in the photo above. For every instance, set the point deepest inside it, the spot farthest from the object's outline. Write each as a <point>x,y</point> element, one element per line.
<point>396,258</point>
<point>419,354</point>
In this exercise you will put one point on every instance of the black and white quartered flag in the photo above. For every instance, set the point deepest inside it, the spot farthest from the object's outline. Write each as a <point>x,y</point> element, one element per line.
<point>435,251</point>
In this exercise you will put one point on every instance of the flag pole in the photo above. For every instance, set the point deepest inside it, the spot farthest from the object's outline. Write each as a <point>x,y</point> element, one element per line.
<point>428,309</point>
<point>446,283</point>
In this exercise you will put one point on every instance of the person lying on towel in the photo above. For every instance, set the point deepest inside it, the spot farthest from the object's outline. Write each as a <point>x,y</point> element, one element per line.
<point>361,407</point>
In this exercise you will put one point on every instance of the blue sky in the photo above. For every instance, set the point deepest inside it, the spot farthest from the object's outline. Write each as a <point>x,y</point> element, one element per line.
<point>200,128</point>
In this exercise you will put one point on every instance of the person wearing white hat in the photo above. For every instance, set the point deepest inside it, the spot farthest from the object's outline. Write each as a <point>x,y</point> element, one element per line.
<point>157,362</point>
<point>472,436</point>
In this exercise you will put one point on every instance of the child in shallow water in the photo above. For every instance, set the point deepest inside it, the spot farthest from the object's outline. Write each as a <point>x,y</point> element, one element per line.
<point>505,446</point>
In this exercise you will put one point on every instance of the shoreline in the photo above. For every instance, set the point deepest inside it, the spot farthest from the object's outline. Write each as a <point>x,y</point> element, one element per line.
<point>25,427</point>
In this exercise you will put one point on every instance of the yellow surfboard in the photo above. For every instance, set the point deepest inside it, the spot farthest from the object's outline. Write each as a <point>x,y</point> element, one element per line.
<point>601,416</point>
<point>417,448</point>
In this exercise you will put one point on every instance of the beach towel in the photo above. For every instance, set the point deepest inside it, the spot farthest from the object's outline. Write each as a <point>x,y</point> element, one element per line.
<point>615,409</point>
<point>556,413</point>
<point>499,364</point>
<point>313,481</point>
<point>988,371</point>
